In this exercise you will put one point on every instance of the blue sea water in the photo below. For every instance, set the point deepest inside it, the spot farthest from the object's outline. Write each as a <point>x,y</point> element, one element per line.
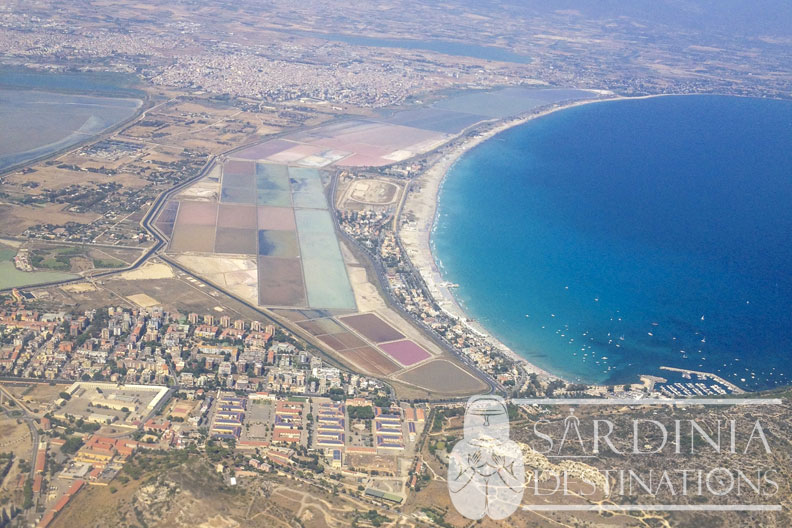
<point>603,241</point>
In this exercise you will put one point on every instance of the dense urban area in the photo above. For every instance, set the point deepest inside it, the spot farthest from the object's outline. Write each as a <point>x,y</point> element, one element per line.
<point>148,383</point>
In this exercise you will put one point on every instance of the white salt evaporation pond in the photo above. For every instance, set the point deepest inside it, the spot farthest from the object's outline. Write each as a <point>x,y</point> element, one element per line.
<point>270,237</point>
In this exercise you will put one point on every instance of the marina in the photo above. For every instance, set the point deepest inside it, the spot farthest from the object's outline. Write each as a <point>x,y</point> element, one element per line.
<point>570,251</point>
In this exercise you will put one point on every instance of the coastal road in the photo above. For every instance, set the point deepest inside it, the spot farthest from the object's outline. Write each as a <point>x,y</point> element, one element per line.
<point>394,303</point>
<point>161,240</point>
<point>147,223</point>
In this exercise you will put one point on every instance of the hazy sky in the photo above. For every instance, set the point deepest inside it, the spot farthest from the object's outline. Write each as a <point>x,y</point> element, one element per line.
<point>741,17</point>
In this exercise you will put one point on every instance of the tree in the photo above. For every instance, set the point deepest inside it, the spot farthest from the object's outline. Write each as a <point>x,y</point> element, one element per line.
<point>337,394</point>
<point>28,492</point>
<point>72,444</point>
<point>382,401</point>
<point>360,412</point>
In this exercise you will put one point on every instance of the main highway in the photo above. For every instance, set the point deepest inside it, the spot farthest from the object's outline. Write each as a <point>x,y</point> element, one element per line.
<point>148,223</point>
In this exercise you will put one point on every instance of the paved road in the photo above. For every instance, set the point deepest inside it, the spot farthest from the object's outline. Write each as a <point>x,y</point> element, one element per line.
<point>161,242</point>
<point>146,224</point>
<point>393,303</point>
<point>31,423</point>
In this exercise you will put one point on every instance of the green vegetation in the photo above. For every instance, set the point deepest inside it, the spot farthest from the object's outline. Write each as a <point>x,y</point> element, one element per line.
<point>86,427</point>
<point>310,462</point>
<point>337,394</point>
<point>28,492</point>
<point>382,401</point>
<point>10,277</point>
<point>72,444</point>
<point>446,445</point>
<point>441,415</point>
<point>360,413</point>
<point>6,459</point>
<point>142,463</point>
<point>372,516</point>
<point>99,321</point>
<point>437,517</point>
<point>42,263</point>
<point>71,425</point>
<point>58,259</point>
<point>102,263</point>
<point>216,451</point>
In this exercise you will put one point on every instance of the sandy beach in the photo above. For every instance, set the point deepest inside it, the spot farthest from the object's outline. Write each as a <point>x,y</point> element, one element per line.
<point>421,208</point>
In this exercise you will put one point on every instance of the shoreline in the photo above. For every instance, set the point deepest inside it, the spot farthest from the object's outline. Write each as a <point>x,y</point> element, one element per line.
<point>416,235</point>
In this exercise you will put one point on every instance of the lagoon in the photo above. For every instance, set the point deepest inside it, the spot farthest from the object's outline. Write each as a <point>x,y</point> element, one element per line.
<point>37,124</point>
<point>10,277</point>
